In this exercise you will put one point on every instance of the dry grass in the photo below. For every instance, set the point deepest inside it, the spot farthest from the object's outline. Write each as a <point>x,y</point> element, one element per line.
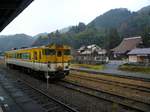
<point>138,95</point>
<point>114,78</point>
<point>94,67</point>
<point>132,68</point>
<point>131,93</point>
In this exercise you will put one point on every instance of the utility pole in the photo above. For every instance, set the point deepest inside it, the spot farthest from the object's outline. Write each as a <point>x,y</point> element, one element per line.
<point>47,76</point>
<point>47,79</point>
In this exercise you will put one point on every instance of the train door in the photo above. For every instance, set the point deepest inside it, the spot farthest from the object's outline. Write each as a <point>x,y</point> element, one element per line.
<point>40,57</point>
<point>35,58</point>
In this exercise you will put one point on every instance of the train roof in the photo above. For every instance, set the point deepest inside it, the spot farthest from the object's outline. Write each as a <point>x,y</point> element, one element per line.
<point>41,47</point>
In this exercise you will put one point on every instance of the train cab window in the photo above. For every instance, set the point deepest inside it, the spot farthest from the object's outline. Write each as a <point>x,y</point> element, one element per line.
<point>67,52</point>
<point>59,53</point>
<point>49,52</point>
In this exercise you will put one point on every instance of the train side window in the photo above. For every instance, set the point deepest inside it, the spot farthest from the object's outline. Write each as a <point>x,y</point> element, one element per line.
<point>15,55</point>
<point>19,55</point>
<point>29,55</point>
<point>25,56</point>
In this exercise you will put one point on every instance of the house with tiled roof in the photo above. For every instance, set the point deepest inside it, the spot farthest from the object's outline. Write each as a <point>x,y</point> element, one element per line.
<point>126,46</point>
<point>91,54</point>
<point>139,55</point>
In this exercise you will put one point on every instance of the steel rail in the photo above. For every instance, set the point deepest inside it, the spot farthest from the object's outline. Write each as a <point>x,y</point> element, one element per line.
<point>116,83</point>
<point>68,108</point>
<point>123,101</point>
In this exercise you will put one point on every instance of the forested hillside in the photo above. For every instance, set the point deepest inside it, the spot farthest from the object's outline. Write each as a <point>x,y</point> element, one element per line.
<point>106,30</point>
<point>111,19</point>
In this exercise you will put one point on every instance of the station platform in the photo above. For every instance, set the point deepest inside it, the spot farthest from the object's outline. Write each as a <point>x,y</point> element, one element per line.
<point>1,109</point>
<point>14,100</point>
<point>7,104</point>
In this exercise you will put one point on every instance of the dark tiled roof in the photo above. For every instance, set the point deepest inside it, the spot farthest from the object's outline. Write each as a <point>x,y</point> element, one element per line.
<point>9,9</point>
<point>139,51</point>
<point>91,49</point>
<point>127,44</point>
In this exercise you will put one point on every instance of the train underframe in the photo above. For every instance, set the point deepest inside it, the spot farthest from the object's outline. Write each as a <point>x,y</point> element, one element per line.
<point>59,74</point>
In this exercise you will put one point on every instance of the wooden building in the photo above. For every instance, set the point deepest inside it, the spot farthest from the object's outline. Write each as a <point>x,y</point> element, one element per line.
<point>139,55</point>
<point>91,54</point>
<point>126,46</point>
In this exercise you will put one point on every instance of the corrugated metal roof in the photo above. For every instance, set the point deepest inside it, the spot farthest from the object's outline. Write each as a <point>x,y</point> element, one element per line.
<point>91,49</point>
<point>9,9</point>
<point>139,51</point>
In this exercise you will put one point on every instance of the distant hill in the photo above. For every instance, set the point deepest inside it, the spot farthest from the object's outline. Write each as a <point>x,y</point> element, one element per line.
<point>145,10</point>
<point>121,21</point>
<point>40,34</point>
<point>15,41</point>
<point>64,30</point>
<point>127,23</point>
<point>41,40</point>
<point>112,18</point>
<point>136,24</point>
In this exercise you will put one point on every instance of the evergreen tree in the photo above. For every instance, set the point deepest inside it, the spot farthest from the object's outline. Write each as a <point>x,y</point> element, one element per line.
<point>112,38</point>
<point>146,36</point>
<point>81,27</point>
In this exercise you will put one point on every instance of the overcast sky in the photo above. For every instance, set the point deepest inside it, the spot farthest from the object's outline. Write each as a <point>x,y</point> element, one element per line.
<point>49,15</point>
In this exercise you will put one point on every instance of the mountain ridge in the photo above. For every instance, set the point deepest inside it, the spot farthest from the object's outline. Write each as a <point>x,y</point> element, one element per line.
<point>119,22</point>
<point>7,42</point>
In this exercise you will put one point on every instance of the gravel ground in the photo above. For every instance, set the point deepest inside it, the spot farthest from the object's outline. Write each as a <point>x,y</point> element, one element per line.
<point>114,78</point>
<point>80,101</point>
<point>130,93</point>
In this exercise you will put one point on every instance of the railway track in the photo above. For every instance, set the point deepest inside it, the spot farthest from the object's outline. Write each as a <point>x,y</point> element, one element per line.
<point>112,89</point>
<point>108,74</point>
<point>127,103</point>
<point>48,103</point>
<point>115,83</point>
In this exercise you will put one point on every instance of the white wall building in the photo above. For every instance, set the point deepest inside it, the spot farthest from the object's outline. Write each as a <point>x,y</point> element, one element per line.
<point>91,54</point>
<point>139,55</point>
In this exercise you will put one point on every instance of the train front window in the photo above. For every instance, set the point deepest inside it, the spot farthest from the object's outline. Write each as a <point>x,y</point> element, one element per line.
<point>67,52</point>
<point>49,52</point>
<point>59,53</point>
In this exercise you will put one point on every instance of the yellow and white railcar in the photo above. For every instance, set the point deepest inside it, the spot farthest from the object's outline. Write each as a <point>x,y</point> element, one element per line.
<point>51,59</point>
